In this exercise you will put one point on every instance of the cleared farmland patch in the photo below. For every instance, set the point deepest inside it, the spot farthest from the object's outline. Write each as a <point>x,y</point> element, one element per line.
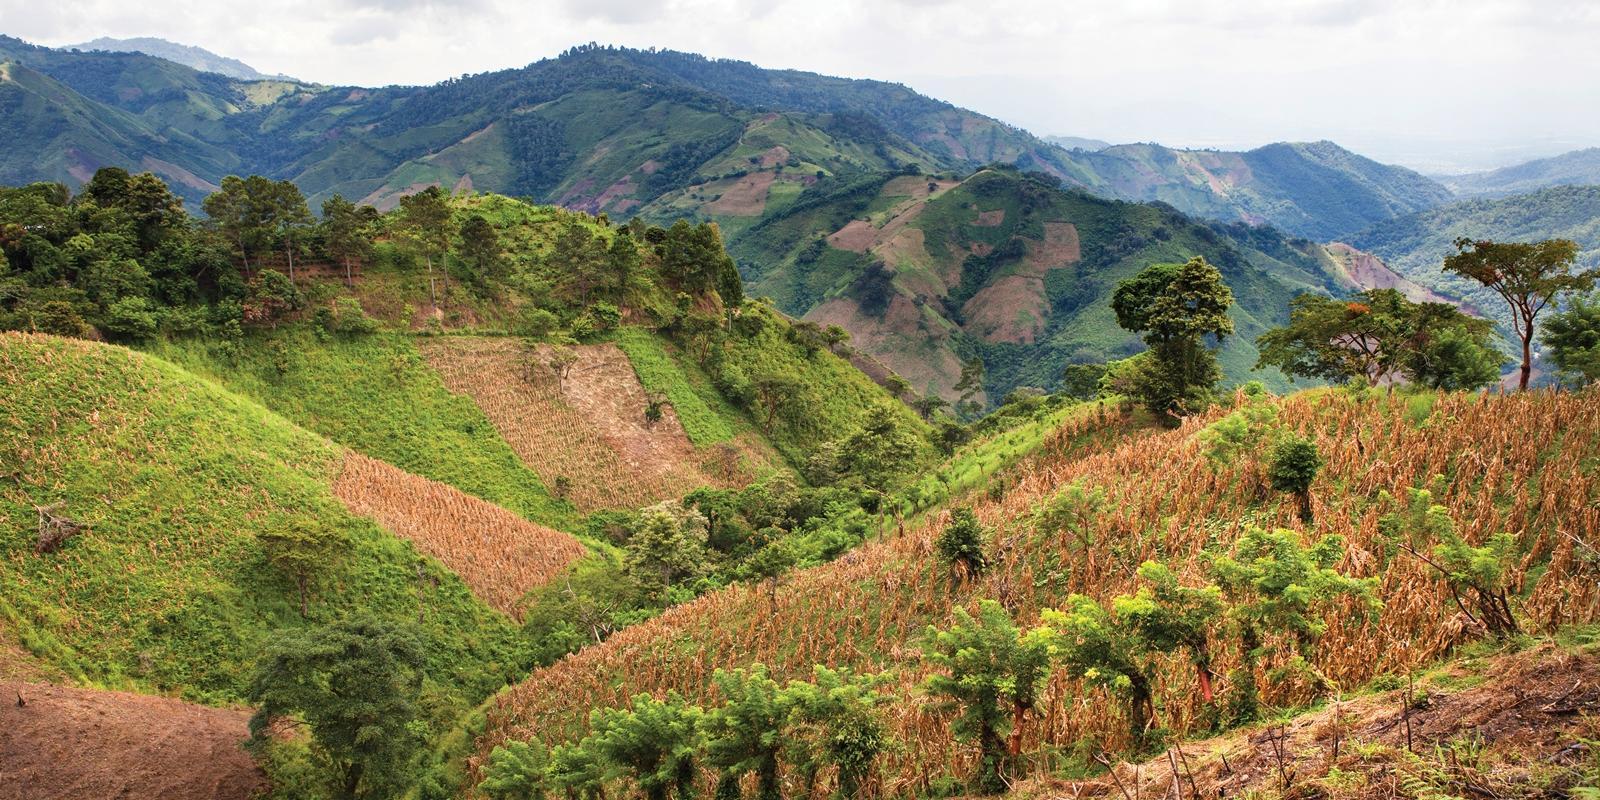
<point>499,555</point>
<point>586,432</point>
<point>75,743</point>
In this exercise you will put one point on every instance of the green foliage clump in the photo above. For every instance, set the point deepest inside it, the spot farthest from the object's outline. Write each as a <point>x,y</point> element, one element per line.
<point>1294,464</point>
<point>1479,577</point>
<point>516,771</point>
<point>991,673</point>
<point>1175,306</point>
<point>962,543</point>
<point>655,743</point>
<point>745,733</point>
<point>1274,583</point>
<point>1573,339</point>
<point>357,685</point>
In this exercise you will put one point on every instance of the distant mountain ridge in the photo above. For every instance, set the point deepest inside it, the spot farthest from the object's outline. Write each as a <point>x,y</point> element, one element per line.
<point>194,57</point>
<point>1579,167</point>
<point>615,129</point>
<point>1314,189</point>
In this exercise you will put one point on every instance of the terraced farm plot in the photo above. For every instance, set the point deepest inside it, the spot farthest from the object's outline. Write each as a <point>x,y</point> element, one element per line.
<point>1165,502</point>
<point>587,431</point>
<point>499,555</point>
<point>67,744</point>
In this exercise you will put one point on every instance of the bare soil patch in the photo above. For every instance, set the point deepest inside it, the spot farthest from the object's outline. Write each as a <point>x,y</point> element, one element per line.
<point>1367,271</point>
<point>588,429</point>
<point>990,219</point>
<point>1010,309</point>
<point>73,744</point>
<point>499,555</point>
<point>747,196</point>
<point>857,236</point>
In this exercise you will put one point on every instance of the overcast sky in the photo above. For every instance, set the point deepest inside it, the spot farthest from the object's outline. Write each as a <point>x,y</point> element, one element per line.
<point>1430,83</point>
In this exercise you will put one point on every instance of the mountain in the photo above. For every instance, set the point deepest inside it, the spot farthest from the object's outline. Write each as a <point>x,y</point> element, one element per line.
<point>927,272</point>
<point>1078,143</point>
<point>189,56</point>
<point>1318,190</point>
<point>1579,167</point>
<point>1416,245</point>
<point>613,129</point>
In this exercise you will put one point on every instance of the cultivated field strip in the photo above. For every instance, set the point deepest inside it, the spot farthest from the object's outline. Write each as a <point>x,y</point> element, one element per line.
<point>1525,464</point>
<point>586,431</point>
<point>498,554</point>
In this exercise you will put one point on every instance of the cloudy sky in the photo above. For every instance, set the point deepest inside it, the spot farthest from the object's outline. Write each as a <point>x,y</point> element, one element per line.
<point>1436,84</point>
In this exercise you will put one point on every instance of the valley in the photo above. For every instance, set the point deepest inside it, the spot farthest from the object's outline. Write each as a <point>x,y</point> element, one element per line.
<point>641,424</point>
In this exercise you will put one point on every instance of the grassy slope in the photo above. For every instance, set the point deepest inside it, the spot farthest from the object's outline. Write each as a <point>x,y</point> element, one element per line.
<point>169,590</point>
<point>1526,464</point>
<point>706,416</point>
<point>376,395</point>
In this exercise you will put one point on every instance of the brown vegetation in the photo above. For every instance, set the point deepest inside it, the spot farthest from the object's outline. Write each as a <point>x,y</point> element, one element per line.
<point>499,555</point>
<point>71,744</point>
<point>1523,725</point>
<point>1523,464</point>
<point>587,432</point>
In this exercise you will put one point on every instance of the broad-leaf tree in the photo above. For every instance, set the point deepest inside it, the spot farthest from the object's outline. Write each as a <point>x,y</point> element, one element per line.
<point>1275,583</point>
<point>745,733</point>
<point>1175,307</point>
<point>835,722</point>
<point>654,743</point>
<point>357,686</point>
<point>990,673</point>
<point>1573,339</point>
<point>1529,276</point>
<point>427,221</point>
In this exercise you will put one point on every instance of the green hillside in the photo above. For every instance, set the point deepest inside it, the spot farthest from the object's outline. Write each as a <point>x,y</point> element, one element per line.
<point>1416,245</point>
<point>1313,189</point>
<point>618,130</point>
<point>1577,168</point>
<point>169,588</point>
<point>927,272</point>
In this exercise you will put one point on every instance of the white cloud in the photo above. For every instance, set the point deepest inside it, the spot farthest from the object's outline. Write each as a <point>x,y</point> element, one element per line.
<point>1393,76</point>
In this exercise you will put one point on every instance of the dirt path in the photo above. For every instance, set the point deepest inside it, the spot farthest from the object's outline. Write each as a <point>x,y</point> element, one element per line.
<point>77,744</point>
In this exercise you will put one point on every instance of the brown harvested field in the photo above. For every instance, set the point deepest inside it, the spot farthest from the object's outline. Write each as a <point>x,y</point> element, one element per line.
<point>499,555</point>
<point>857,236</point>
<point>990,219</point>
<point>745,197</point>
<point>1009,309</point>
<point>75,744</point>
<point>589,429</point>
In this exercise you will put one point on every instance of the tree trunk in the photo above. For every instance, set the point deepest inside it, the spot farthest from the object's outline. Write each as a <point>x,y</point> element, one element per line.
<point>349,281</point>
<point>1014,741</point>
<point>288,252</point>
<point>1203,672</point>
<point>1527,360</point>
<point>433,299</point>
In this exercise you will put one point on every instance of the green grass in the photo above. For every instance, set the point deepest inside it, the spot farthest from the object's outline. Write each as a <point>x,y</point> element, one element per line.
<point>707,418</point>
<point>976,463</point>
<point>169,589</point>
<point>376,395</point>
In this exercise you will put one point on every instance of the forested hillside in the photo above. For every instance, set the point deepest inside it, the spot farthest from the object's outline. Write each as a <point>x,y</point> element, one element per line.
<point>928,273</point>
<point>609,129</point>
<point>1416,245</point>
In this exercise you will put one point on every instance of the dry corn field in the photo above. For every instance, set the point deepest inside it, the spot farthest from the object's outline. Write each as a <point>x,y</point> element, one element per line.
<point>1526,464</point>
<point>588,429</point>
<point>499,555</point>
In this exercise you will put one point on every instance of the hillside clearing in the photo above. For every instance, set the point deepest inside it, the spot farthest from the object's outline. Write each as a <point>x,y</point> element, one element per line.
<point>587,431</point>
<point>70,744</point>
<point>499,555</point>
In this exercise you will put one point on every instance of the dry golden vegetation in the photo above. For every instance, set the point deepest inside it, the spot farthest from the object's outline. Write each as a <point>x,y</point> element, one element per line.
<point>585,432</point>
<point>1506,726</point>
<point>499,555</point>
<point>1524,464</point>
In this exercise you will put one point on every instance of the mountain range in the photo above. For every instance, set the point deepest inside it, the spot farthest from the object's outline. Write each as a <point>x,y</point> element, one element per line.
<point>196,57</point>
<point>852,202</point>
